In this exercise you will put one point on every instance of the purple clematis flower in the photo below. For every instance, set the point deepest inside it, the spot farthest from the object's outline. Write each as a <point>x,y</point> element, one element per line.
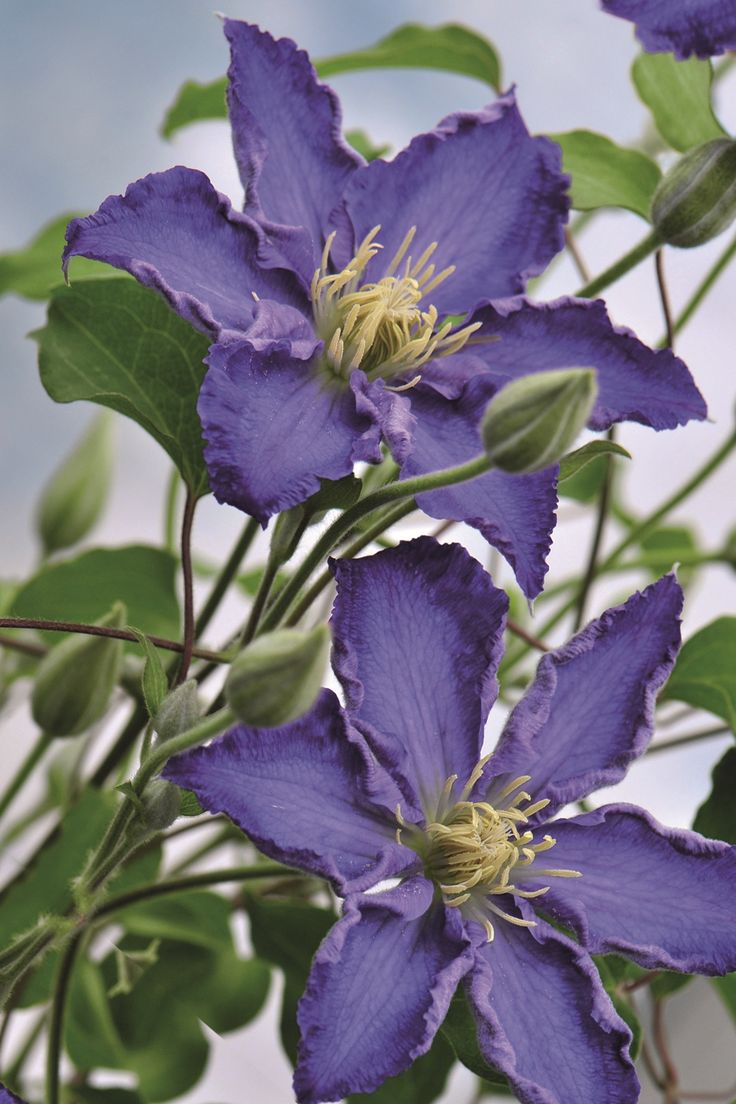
<point>333,300</point>
<point>393,787</point>
<point>682,27</point>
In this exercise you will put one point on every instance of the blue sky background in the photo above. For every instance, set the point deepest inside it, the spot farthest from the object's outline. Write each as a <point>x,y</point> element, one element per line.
<point>84,86</point>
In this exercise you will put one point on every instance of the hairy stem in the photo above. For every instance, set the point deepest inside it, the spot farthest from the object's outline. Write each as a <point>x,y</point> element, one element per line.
<point>56,1020</point>
<point>106,630</point>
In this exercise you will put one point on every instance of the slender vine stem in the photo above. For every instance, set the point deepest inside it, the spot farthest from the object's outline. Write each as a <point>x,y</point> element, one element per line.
<point>24,770</point>
<point>107,630</point>
<point>56,1020</point>
<point>226,576</point>
<point>193,881</point>
<point>188,582</point>
<point>623,265</point>
<point>367,537</point>
<point>13,1069</point>
<point>591,567</point>
<point>664,298</point>
<point>688,738</point>
<point>173,487</point>
<point>702,289</point>
<point>533,641</point>
<point>406,489</point>
<point>576,256</point>
<point>25,647</point>
<point>268,578</point>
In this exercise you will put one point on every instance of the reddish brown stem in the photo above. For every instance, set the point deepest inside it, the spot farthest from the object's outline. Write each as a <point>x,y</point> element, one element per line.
<point>664,297</point>
<point>532,641</point>
<point>103,630</point>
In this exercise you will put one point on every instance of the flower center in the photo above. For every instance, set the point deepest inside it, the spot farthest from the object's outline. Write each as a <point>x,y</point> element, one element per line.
<point>382,327</point>
<point>475,850</point>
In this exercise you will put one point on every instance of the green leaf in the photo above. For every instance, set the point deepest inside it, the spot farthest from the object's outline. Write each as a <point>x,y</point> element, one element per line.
<point>726,989</point>
<point>115,343</point>
<point>716,817</point>
<point>198,918</point>
<point>459,1028</point>
<point>84,588</point>
<point>571,464</point>
<point>587,482</point>
<point>74,497</point>
<point>672,543</point>
<point>154,682</point>
<point>87,1094</point>
<point>450,47</point>
<point>287,935</point>
<point>606,175</point>
<point>705,671</point>
<point>334,494</point>
<point>678,94</point>
<point>32,272</point>
<point>613,971</point>
<point>422,1083</point>
<point>365,146</point>
<point>667,984</point>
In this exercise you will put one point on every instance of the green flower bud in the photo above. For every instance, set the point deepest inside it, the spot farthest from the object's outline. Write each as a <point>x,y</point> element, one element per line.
<point>77,677</point>
<point>277,677</point>
<point>178,711</point>
<point>74,496</point>
<point>532,422</point>
<point>696,199</point>
<point>160,804</point>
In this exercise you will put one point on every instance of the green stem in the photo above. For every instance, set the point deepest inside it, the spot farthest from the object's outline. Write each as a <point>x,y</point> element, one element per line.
<point>12,1072</point>
<point>688,738</point>
<point>367,537</point>
<point>226,576</point>
<point>173,488</point>
<point>188,586</point>
<point>113,848</point>
<point>268,578</point>
<point>702,290</point>
<point>56,1021</point>
<point>406,489</point>
<point>635,534</point>
<point>621,267</point>
<point>25,769</point>
<point>193,881</point>
<point>591,568</point>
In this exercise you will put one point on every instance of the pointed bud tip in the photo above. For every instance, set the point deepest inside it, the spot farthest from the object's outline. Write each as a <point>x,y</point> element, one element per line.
<point>278,676</point>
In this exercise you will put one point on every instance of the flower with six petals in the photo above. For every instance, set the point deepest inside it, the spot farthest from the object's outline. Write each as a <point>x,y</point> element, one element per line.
<point>393,788</point>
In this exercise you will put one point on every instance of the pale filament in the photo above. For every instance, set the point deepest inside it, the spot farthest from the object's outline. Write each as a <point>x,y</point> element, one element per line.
<point>475,851</point>
<point>380,326</point>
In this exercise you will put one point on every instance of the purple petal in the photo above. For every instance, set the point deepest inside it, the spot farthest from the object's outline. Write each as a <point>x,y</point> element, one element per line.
<point>380,987</point>
<point>635,383</point>
<point>546,1022</point>
<point>491,196</point>
<point>417,640</point>
<point>659,895</point>
<point>304,793</point>
<point>590,710</point>
<point>175,233</point>
<point>274,427</point>
<point>7,1097</point>
<point>681,27</point>
<point>292,159</point>
<point>515,513</point>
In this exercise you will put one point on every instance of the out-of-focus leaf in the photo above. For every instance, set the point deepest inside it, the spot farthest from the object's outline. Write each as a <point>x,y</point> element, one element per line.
<point>87,1094</point>
<point>705,671</point>
<point>673,543</point>
<point>84,587</point>
<point>422,1083</point>
<point>365,146</point>
<point>116,343</point>
<point>606,175</point>
<point>726,989</point>
<point>198,917</point>
<point>668,983</point>
<point>450,48</point>
<point>287,935</point>
<point>716,817</point>
<point>33,271</point>
<point>587,482</point>
<point>250,581</point>
<point>678,94</point>
<point>459,1028</point>
<point>571,464</point>
<point>74,497</point>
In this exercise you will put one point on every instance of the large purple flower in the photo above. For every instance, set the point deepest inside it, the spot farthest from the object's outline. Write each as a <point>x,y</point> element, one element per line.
<point>681,27</point>
<point>7,1097</point>
<point>393,787</point>
<point>333,300</point>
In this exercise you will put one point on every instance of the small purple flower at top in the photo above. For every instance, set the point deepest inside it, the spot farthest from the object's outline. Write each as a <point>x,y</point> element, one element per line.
<point>333,301</point>
<point>701,28</point>
<point>394,787</point>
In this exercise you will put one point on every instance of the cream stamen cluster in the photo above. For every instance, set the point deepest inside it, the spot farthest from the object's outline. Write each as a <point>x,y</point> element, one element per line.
<point>380,326</point>
<point>474,850</point>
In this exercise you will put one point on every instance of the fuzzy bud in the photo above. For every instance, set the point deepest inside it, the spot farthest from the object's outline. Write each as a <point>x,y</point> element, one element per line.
<point>532,422</point>
<point>160,804</point>
<point>180,710</point>
<point>74,496</point>
<point>696,199</point>
<point>76,679</point>
<point>277,677</point>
